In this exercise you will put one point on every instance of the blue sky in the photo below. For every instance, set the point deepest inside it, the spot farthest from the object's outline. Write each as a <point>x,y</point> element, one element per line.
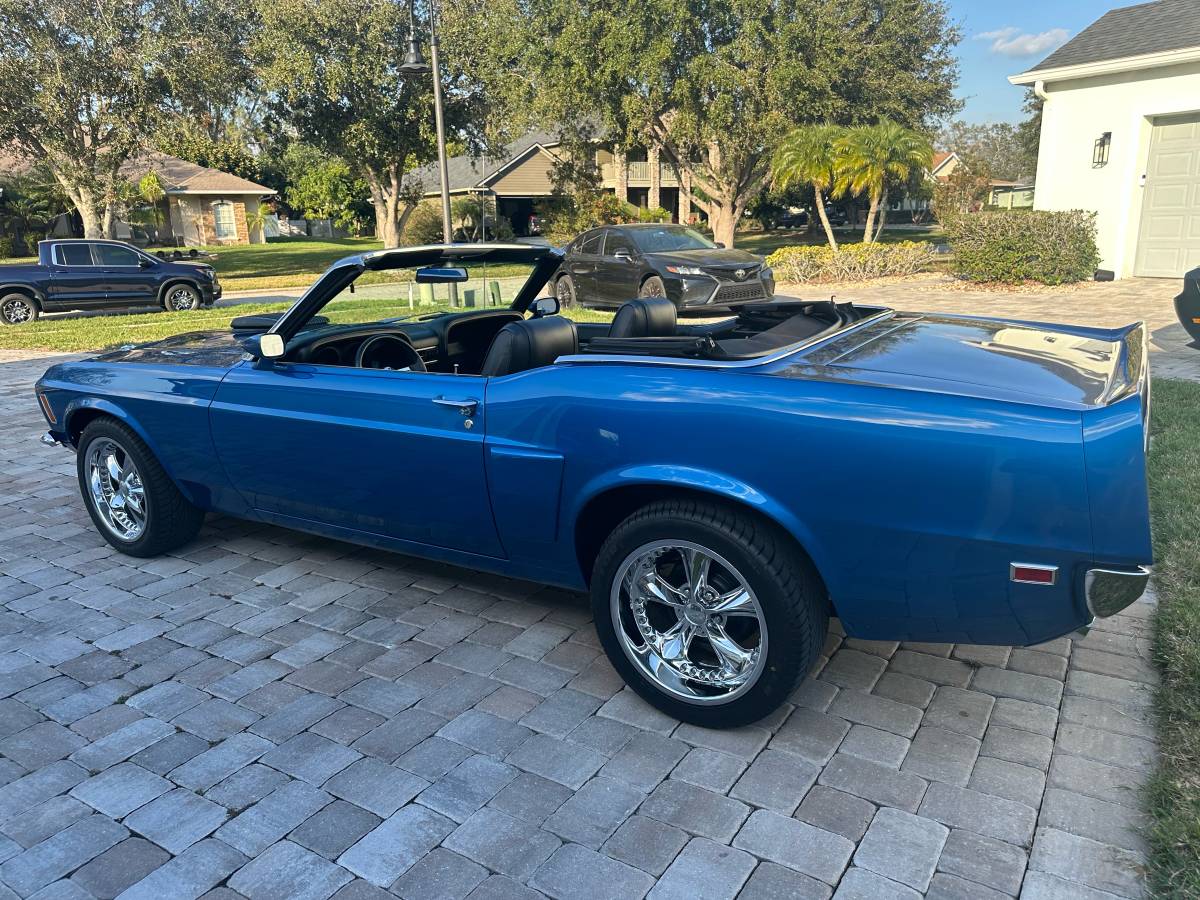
<point>1006,37</point>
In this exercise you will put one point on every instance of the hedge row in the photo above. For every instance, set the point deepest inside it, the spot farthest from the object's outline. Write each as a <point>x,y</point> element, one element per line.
<point>1013,246</point>
<point>851,262</point>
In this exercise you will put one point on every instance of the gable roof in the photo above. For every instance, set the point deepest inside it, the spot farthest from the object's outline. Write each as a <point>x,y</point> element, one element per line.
<point>1157,27</point>
<point>182,177</point>
<point>467,172</point>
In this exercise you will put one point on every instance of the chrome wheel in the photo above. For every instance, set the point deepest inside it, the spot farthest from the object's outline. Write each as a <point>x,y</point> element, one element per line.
<point>653,288</point>
<point>564,291</point>
<point>17,311</point>
<point>181,299</point>
<point>689,621</point>
<point>116,489</point>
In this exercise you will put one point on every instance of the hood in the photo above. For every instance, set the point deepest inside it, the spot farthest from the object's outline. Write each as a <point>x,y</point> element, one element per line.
<point>1054,364</point>
<point>218,349</point>
<point>714,257</point>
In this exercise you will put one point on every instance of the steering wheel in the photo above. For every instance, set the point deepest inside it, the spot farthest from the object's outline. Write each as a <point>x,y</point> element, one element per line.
<point>388,351</point>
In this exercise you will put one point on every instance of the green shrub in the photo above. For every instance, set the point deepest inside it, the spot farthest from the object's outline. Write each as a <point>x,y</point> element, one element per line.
<point>1013,246</point>
<point>8,247</point>
<point>424,225</point>
<point>852,262</point>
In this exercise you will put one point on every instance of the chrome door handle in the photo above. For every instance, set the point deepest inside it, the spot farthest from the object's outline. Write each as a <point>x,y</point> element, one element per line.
<point>465,407</point>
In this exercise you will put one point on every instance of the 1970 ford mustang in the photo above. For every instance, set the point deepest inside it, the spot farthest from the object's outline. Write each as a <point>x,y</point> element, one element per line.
<point>721,488</point>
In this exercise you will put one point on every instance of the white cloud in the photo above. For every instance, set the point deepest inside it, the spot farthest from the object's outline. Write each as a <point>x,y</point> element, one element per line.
<point>1014,42</point>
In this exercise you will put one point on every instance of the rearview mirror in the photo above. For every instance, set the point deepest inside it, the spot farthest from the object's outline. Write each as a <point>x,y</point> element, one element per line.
<point>544,306</point>
<point>441,275</point>
<point>270,346</point>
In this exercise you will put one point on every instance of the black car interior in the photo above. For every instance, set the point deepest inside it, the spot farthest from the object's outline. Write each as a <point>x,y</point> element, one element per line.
<point>501,342</point>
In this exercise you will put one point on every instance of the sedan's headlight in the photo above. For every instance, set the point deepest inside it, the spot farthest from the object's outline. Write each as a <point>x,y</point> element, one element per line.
<point>685,270</point>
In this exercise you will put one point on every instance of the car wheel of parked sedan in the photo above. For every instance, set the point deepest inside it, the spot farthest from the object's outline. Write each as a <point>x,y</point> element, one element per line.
<point>564,290</point>
<point>181,298</point>
<point>710,614</point>
<point>133,503</point>
<point>17,309</point>
<point>653,287</point>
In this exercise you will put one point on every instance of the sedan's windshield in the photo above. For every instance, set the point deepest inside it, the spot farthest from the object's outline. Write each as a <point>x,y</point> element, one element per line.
<point>665,238</point>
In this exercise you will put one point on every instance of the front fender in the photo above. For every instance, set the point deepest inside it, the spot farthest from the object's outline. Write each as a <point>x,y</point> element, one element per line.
<point>716,484</point>
<point>88,405</point>
<point>26,287</point>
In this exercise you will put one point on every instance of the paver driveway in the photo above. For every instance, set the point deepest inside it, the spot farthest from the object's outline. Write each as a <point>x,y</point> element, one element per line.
<point>272,715</point>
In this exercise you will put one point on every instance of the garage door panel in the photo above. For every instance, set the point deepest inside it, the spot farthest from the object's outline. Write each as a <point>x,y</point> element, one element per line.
<point>1169,236</point>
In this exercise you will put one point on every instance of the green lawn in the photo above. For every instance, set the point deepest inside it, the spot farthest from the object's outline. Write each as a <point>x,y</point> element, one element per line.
<point>1174,795</point>
<point>98,332</point>
<point>282,262</point>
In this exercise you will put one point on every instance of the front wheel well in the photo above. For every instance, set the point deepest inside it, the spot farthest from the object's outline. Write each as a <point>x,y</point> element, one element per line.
<point>603,513</point>
<point>27,293</point>
<point>81,419</point>
<point>175,282</point>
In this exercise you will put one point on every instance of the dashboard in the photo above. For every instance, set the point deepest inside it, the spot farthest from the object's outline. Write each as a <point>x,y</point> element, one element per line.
<point>446,342</point>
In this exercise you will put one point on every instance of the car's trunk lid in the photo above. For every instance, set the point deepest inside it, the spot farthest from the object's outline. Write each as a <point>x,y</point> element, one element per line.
<point>1050,363</point>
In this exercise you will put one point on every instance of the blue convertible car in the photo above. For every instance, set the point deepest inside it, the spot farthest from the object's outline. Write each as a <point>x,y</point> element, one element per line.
<point>721,488</point>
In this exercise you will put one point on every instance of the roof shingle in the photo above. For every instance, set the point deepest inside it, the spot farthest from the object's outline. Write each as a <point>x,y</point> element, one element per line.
<point>1131,31</point>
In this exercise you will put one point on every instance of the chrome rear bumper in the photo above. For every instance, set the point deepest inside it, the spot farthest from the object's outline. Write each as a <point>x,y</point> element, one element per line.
<point>1108,591</point>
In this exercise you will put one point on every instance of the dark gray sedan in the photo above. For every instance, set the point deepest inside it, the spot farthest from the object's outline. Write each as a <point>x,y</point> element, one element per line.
<point>610,265</point>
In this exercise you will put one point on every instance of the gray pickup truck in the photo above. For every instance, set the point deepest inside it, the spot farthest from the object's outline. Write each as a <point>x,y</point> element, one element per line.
<point>93,274</point>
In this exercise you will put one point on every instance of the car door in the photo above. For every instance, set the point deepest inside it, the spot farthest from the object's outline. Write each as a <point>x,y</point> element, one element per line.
<point>581,263</point>
<point>127,282</point>
<point>617,269</point>
<point>76,281</point>
<point>378,452</point>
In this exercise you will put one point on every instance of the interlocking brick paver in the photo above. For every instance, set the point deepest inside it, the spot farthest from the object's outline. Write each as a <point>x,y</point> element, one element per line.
<point>324,691</point>
<point>797,845</point>
<point>575,871</point>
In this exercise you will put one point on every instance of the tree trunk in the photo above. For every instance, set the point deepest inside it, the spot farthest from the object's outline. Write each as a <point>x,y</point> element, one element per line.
<point>85,202</point>
<point>722,219</point>
<point>109,222</point>
<point>882,222</point>
<point>869,230</point>
<point>825,221</point>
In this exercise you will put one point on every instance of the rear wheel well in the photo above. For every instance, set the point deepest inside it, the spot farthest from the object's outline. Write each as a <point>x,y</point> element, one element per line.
<point>605,512</point>
<point>24,292</point>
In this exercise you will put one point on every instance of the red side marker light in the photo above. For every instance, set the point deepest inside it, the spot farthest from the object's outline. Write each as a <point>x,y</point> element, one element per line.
<point>1031,573</point>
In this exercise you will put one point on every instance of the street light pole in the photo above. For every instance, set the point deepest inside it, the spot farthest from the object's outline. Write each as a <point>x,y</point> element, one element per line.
<point>440,122</point>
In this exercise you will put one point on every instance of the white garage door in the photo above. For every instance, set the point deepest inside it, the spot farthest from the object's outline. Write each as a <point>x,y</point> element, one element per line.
<point>1169,240</point>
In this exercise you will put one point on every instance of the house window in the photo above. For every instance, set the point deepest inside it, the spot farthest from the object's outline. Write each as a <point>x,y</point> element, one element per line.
<point>223,221</point>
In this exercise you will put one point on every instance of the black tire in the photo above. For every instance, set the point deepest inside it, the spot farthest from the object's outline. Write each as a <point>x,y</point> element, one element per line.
<point>170,519</point>
<point>564,290</point>
<point>652,287</point>
<point>18,309</point>
<point>787,587</point>
<point>181,298</point>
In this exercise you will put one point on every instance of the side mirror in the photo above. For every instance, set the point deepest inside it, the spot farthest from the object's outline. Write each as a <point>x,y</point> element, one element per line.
<point>544,306</point>
<point>144,263</point>
<point>270,346</point>
<point>624,254</point>
<point>720,245</point>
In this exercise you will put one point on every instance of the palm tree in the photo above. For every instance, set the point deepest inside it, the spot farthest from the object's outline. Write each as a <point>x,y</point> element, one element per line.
<point>870,157</point>
<point>807,155</point>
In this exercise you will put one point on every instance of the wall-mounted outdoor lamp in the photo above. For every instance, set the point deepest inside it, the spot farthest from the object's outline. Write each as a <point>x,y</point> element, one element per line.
<point>1100,150</point>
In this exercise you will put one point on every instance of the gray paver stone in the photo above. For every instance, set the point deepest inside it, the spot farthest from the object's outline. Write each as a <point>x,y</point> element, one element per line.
<point>502,843</point>
<point>813,735</point>
<point>795,844</point>
<point>776,780</point>
<point>647,844</point>
<point>60,854</point>
<point>118,791</point>
<point>878,712</point>
<point>874,782</point>
<point>902,847</point>
<point>467,787</point>
<point>289,870</point>
<point>218,763</point>
<point>705,869</point>
<point>645,760</point>
<point>558,760</point>
<point>594,812</point>
<point>1108,823</point>
<point>375,786</point>
<point>695,810</point>
<point>984,860</point>
<point>333,830</point>
<point>862,884</point>
<point>395,844</point>
<point>772,881</point>
<point>941,755</point>
<point>577,872</point>
<point>272,817</point>
<point>310,758</point>
<point>1007,779</point>
<point>117,868</point>
<point>177,819</point>
<point>188,875</point>
<point>1005,820</point>
<point>1084,861</point>
<point>440,875</point>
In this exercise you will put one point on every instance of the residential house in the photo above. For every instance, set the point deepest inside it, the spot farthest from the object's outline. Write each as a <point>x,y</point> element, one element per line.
<point>917,208</point>
<point>1010,194</point>
<point>522,178</point>
<point>1121,134</point>
<point>201,205</point>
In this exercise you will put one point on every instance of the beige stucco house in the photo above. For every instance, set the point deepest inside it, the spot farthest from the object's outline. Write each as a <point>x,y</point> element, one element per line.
<point>202,205</point>
<point>1121,135</point>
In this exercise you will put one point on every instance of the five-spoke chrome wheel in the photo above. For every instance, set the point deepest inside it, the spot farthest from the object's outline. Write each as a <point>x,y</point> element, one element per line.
<point>689,621</point>
<point>17,310</point>
<point>116,489</point>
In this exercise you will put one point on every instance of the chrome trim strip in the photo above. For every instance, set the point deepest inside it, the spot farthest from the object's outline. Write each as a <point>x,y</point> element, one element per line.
<point>1053,570</point>
<point>1108,591</point>
<point>779,354</point>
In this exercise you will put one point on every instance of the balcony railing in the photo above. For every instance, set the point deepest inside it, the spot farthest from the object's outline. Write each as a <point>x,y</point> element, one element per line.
<point>638,174</point>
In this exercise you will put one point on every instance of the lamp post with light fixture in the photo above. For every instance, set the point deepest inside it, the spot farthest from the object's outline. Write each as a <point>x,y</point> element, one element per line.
<point>414,64</point>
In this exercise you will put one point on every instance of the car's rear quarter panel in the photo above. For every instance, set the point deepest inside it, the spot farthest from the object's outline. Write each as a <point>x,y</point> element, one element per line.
<point>912,504</point>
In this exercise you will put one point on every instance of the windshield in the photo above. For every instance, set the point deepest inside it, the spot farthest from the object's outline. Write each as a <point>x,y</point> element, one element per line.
<point>662,238</point>
<point>395,294</point>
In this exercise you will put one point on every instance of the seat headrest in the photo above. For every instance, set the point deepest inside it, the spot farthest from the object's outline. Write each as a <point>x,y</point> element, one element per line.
<point>646,317</point>
<point>530,343</point>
